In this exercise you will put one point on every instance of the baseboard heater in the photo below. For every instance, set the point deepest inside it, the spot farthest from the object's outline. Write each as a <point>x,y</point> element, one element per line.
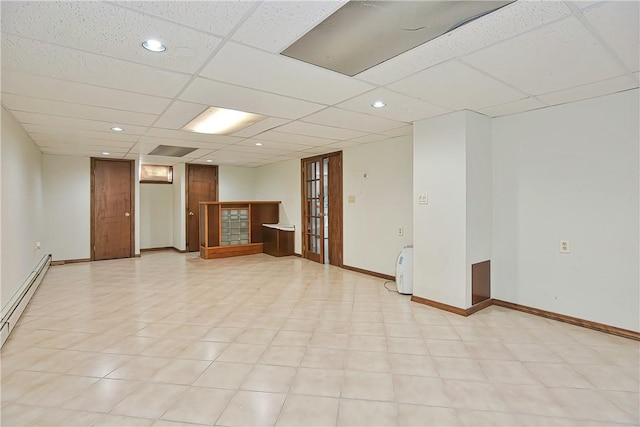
<point>13,309</point>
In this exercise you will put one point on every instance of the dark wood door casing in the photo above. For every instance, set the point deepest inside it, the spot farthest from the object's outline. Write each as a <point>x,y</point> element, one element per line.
<point>202,186</point>
<point>112,209</point>
<point>334,209</point>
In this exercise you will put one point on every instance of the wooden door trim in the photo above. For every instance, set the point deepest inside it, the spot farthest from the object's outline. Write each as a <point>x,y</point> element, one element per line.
<point>186,198</point>
<point>319,157</point>
<point>92,238</point>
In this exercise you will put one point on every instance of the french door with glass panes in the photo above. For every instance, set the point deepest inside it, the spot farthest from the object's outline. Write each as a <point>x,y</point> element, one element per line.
<point>322,208</point>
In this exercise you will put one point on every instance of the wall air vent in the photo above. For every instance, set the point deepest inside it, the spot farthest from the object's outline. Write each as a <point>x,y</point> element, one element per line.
<point>171,151</point>
<point>363,34</point>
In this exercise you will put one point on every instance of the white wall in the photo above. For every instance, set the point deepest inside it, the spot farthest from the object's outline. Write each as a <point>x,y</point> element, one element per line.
<point>236,184</point>
<point>281,181</point>
<point>479,193</point>
<point>22,210</point>
<point>67,203</point>
<point>156,216</point>
<point>382,203</point>
<point>439,227</point>
<point>569,172</point>
<point>179,208</point>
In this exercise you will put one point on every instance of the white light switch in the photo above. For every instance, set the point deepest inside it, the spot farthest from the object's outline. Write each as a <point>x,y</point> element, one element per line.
<point>564,247</point>
<point>422,199</point>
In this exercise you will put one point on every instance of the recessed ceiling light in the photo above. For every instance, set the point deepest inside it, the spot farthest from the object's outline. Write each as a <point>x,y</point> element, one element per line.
<point>259,144</point>
<point>209,161</point>
<point>105,153</point>
<point>117,129</point>
<point>221,121</point>
<point>378,104</point>
<point>154,45</point>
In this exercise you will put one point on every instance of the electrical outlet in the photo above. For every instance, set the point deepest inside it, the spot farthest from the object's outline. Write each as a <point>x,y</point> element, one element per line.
<point>564,247</point>
<point>37,245</point>
<point>422,199</point>
<point>400,231</point>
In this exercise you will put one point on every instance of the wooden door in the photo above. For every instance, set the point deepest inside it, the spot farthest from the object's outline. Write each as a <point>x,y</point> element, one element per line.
<point>202,186</point>
<point>112,219</point>
<point>322,208</point>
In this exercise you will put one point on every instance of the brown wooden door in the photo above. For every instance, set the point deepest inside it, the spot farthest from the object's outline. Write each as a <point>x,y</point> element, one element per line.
<point>202,186</point>
<point>112,219</point>
<point>322,208</point>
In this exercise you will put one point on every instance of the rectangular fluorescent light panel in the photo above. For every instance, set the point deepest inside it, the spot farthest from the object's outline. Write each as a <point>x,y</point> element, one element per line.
<point>221,121</point>
<point>363,34</point>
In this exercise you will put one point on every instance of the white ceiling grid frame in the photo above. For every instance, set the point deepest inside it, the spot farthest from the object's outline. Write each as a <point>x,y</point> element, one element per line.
<point>261,126</point>
<point>591,90</point>
<point>184,135</point>
<point>526,104</point>
<point>209,92</point>
<point>277,136</point>
<point>68,109</point>
<point>340,118</point>
<point>178,114</point>
<point>399,107</point>
<point>457,86</point>
<point>236,64</point>
<point>82,133</point>
<point>536,59</point>
<point>79,25</point>
<point>509,21</point>
<point>213,17</point>
<point>35,57</point>
<point>273,145</point>
<point>80,93</point>
<point>276,24</point>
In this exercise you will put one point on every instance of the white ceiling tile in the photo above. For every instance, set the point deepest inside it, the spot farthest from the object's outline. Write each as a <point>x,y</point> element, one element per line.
<point>272,145</point>
<point>237,64</point>
<point>261,126</point>
<point>290,138</point>
<point>73,123</point>
<point>583,4</point>
<point>518,106</point>
<point>399,107</point>
<point>318,150</point>
<point>109,30</point>
<point>82,152</point>
<point>276,24</point>
<point>61,90</point>
<point>372,137</point>
<point>255,150</point>
<point>513,19</point>
<point>312,129</point>
<point>636,75</point>
<point>45,106</point>
<point>224,95</point>
<point>67,141</point>
<point>179,114</point>
<point>590,91</point>
<point>618,23</point>
<point>406,130</point>
<point>340,118</point>
<point>62,131</point>
<point>191,136</point>
<point>555,57</point>
<point>35,57</point>
<point>216,17</point>
<point>456,86</point>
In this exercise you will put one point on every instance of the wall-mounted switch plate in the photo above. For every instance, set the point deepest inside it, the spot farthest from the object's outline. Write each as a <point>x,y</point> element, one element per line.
<point>400,231</point>
<point>422,199</point>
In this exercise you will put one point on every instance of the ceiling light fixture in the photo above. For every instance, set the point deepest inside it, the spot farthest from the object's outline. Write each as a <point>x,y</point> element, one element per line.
<point>209,161</point>
<point>221,121</point>
<point>259,144</point>
<point>378,104</point>
<point>117,129</point>
<point>154,45</point>
<point>105,153</point>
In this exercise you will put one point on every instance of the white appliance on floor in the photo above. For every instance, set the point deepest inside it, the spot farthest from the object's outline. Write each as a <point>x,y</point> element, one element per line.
<point>404,271</point>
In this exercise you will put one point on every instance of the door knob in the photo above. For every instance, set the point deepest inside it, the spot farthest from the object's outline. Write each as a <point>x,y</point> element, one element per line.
<point>127,214</point>
<point>191,214</point>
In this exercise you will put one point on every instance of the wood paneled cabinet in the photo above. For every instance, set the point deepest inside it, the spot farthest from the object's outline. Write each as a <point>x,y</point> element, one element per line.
<point>234,228</point>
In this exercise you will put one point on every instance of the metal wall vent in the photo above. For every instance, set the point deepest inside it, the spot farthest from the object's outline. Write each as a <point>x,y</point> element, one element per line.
<point>363,34</point>
<point>171,151</point>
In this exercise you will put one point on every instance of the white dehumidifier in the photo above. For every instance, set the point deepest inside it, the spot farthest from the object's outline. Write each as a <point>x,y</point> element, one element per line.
<point>404,271</point>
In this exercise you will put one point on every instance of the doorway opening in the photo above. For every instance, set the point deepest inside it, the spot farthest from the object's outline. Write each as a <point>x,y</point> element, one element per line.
<point>322,208</point>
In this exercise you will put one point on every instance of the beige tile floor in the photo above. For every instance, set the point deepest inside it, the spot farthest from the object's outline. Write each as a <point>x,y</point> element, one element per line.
<point>170,339</point>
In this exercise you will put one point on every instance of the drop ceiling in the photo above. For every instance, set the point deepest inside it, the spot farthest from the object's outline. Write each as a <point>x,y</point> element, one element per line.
<point>73,70</point>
